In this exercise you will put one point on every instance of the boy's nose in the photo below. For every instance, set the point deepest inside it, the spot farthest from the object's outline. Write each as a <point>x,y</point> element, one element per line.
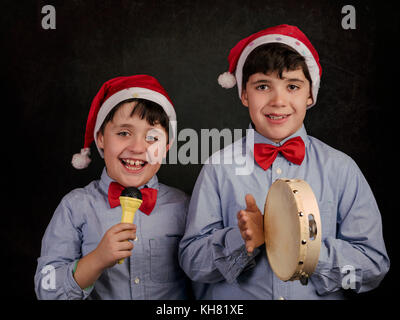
<point>278,98</point>
<point>137,145</point>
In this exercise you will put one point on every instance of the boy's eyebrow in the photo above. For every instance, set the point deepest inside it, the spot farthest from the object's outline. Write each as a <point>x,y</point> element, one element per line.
<point>130,126</point>
<point>260,81</point>
<point>293,79</point>
<point>124,125</point>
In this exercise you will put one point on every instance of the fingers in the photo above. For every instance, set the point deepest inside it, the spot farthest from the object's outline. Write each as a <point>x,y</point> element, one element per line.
<point>250,249</point>
<point>242,219</point>
<point>114,244</point>
<point>122,254</point>
<point>121,227</point>
<point>125,246</point>
<point>122,231</point>
<point>120,234</point>
<point>125,235</point>
<point>248,237</point>
<point>251,203</point>
<point>251,224</point>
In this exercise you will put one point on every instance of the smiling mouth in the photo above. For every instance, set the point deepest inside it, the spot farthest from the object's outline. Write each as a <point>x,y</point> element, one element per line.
<point>274,116</point>
<point>133,164</point>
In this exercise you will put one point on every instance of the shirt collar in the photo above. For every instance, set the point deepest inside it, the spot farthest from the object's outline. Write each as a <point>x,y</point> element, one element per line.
<point>258,138</point>
<point>105,181</point>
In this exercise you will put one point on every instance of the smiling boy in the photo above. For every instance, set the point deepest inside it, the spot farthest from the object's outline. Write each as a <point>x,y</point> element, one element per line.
<point>128,157</point>
<point>277,72</point>
<point>129,121</point>
<point>277,104</point>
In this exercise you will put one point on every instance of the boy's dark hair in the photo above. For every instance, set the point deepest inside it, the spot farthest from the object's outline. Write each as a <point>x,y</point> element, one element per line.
<point>145,109</point>
<point>272,57</point>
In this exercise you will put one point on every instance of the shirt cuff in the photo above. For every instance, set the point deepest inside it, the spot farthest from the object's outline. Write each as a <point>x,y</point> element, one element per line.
<point>73,290</point>
<point>236,258</point>
<point>329,275</point>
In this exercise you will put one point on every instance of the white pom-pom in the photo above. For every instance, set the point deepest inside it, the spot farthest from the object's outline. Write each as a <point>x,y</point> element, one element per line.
<point>227,80</point>
<point>81,160</point>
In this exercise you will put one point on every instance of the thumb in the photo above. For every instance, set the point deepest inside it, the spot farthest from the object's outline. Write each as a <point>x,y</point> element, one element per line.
<point>251,203</point>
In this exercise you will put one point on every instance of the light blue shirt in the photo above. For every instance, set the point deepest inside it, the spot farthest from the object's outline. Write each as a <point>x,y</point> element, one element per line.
<point>212,251</point>
<point>78,225</point>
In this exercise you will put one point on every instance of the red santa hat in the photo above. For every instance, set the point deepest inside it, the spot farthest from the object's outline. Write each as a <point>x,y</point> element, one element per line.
<point>110,94</point>
<point>289,35</point>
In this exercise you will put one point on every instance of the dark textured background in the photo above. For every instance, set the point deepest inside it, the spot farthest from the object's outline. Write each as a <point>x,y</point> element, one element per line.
<point>51,76</point>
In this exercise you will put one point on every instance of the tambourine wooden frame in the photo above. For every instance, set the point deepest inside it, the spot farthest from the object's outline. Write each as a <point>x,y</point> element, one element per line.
<point>296,198</point>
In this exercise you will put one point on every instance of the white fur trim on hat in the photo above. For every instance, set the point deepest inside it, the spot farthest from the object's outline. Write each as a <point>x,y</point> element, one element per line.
<point>227,80</point>
<point>291,42</point>
<point>81,160</point>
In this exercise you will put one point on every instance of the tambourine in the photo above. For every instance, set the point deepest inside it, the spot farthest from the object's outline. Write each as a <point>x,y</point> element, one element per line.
<point>292,229</point>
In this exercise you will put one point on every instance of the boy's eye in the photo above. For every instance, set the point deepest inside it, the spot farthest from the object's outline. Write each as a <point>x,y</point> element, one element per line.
<point>262,87</point>
<point>123,133</point>
<point>151,138</point>
<point>293,87</point>
<point>154,135</point>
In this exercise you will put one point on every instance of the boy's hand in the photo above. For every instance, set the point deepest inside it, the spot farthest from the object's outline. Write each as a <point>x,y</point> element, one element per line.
<point>114,245</point>
<point>251,224</point>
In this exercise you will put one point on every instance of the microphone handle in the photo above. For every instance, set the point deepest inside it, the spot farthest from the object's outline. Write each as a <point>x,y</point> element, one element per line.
<point>129,208</point>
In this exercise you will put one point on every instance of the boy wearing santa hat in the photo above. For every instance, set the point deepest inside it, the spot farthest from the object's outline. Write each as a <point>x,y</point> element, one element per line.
<point>277,73</point>
<point>130,120</point>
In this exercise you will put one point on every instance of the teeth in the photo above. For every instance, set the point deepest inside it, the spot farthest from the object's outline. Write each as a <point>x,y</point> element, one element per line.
<point>133,162</point>
<point>276,117</point>
<point>132,168</point>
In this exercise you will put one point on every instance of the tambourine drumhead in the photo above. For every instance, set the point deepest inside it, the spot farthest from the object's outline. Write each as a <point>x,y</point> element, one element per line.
<point>292,229</point>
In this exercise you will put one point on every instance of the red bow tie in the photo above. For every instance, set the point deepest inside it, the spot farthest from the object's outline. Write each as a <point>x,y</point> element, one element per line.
<point>149,197</point>
<point>293,150</point>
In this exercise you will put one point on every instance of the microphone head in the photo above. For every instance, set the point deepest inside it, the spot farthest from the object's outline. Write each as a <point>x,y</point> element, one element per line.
<point>131,192</point>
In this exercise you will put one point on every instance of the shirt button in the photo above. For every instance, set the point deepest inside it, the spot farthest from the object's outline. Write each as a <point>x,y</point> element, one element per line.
<point>281,298</point>
<point>137,280</point>
<point>279,171</point>
<point>135,239</point>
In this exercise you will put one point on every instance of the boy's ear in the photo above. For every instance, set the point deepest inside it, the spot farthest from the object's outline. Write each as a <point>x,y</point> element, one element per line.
<point>100,140</point>
<point>310,101</point>
<point>166,150</point>
<point>244,98</point>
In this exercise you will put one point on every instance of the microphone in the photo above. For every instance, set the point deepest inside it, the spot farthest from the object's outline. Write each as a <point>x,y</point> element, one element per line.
<point>130,199</point>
